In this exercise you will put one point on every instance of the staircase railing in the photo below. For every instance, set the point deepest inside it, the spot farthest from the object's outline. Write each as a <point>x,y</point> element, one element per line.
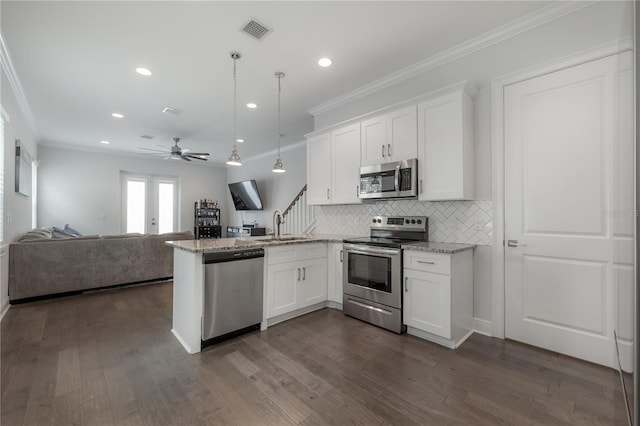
<point>299,217</point>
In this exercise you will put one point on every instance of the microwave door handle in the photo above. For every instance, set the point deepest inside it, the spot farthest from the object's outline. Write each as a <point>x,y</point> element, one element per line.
<point>397,180</point>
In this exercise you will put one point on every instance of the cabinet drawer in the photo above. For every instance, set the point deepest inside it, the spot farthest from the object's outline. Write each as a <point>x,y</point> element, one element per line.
<point>436,263</point>
<point>295,252</point>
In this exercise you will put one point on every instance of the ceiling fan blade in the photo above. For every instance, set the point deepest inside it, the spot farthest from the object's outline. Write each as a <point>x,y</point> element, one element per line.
<point>197,153</point>
<point>184,157</point>
<point>193,156</point>
<point>154,150</point>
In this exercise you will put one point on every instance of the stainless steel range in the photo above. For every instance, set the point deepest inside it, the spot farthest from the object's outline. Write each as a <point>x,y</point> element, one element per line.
<point>372,270</point>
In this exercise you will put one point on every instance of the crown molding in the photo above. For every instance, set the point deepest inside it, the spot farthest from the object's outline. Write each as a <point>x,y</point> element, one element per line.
<point>504,32</point>
<point>14,82</point>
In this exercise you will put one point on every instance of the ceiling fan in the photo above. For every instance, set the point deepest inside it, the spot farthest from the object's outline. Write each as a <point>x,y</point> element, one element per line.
<point>177,153</point>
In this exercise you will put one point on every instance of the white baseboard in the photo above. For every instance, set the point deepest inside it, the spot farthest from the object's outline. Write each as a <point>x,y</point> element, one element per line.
<point>334,305</point>
<point>183,343</point>
<point>4,311</point>
<point>482,326</point>
<point>298,312</point>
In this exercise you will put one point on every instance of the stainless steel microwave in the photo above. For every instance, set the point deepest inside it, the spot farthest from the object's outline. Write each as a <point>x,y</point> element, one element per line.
<point>398,179</point>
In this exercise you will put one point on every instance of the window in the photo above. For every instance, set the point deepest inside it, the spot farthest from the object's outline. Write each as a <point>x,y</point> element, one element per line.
<point>150,204</point>
<point>34,194</point>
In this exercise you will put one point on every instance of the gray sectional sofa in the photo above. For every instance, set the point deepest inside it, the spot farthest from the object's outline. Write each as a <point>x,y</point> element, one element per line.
<point>43,266</point>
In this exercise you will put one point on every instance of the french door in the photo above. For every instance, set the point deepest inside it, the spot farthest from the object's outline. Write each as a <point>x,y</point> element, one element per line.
<point>568,209</point>
<point>149,204</point>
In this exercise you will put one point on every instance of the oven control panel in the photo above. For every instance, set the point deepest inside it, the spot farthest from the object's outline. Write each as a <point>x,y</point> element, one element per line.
<point>399,222</point>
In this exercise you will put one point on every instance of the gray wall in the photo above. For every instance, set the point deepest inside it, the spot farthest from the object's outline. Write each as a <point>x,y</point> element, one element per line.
<point>585,29</point>
<point>83,188</point>
<point>277,190</point>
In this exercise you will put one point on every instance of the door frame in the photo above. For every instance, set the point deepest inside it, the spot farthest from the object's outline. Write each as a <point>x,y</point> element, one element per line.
<point>498,161</point>
<point>151,197</point>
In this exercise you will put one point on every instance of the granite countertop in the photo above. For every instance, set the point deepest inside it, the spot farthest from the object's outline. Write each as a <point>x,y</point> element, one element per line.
<point>210,245</point>
<point>447,248</point>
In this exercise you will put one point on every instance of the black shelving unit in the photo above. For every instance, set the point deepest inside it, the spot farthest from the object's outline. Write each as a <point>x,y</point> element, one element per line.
<point>206,219</point>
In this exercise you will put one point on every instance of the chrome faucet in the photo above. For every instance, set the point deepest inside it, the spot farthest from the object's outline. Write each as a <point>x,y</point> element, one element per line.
<point>277,221</point>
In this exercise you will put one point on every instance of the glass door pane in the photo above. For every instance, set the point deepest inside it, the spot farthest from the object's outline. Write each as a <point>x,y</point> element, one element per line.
<point>136,200</point>
<point>166,207</point>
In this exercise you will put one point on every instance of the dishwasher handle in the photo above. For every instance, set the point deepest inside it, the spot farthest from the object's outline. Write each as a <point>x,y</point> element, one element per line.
<point>231,255</point>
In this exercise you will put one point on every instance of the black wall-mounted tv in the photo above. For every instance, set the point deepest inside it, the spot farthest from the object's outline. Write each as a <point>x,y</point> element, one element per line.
<point>245,195</point>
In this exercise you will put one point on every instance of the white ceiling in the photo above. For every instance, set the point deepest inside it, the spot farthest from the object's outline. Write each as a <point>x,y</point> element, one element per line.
<point>76,61</point>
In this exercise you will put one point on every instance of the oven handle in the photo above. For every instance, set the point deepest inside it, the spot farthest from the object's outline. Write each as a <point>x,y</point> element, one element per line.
<point>372,308</point>
<point>364,250</point>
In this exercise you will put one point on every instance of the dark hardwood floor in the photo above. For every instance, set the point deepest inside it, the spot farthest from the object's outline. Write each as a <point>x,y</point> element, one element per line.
<point>109,358</point>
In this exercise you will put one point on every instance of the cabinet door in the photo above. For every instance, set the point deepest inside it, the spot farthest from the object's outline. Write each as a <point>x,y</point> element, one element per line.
<point>427,302</point>
<point>402,134</point>
<point>345,153</point>
<point>445,148</point>
<point>313,282</point>
<point>283,288</point>
<point>319,169</point>
<point>373,143</point>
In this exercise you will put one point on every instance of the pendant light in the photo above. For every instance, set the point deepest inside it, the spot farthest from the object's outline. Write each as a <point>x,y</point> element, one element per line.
<point>234,158</point>
<point>278,167</point>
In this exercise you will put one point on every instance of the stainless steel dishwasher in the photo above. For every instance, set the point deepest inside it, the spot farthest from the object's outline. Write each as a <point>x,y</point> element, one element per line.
<point>233,283</point>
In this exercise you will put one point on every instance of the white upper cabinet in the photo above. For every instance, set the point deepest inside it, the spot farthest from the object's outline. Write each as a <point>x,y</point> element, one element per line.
<point>445,147</point>
<point>389,137</point>
<point>319,169</point>
<point>333,166</point>
<point>345,150</point>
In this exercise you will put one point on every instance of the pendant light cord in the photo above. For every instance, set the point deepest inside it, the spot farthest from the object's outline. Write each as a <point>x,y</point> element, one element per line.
<point>235,104</point>
<point>279,132</point>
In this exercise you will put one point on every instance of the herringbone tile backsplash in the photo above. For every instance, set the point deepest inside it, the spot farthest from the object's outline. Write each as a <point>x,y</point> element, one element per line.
<point>469,222</point>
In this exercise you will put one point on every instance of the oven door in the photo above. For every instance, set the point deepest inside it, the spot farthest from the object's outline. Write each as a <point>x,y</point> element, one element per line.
<point>373,273</point>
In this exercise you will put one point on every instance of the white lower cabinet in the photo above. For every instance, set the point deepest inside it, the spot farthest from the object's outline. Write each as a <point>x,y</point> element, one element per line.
<point>296,278</point>
<point>438,296</point>
<point>335,273</point>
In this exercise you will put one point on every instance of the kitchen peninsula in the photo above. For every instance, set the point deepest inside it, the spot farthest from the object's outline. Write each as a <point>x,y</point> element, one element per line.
<point>302,274</point>
<point>189,275</point>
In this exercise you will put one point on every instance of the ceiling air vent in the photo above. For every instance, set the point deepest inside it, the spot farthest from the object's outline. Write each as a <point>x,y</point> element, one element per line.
<point>256,29</point>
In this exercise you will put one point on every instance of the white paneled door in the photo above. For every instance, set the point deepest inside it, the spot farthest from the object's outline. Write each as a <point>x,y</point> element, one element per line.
<point>562,131</point>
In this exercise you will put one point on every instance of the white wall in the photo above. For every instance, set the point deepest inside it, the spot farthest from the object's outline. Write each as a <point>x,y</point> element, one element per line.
<point>277,190</point>
<point>82,188</point>
<point>584,29</point>
<point>17,208</point>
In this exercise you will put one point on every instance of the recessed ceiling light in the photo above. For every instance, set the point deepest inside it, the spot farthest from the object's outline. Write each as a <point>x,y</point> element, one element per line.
<point>143,71</point>
<point>240,140</point>
<point>324,62</point>
<point>252,105</point>
<point>117,115</point>
<point>104,142</point>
